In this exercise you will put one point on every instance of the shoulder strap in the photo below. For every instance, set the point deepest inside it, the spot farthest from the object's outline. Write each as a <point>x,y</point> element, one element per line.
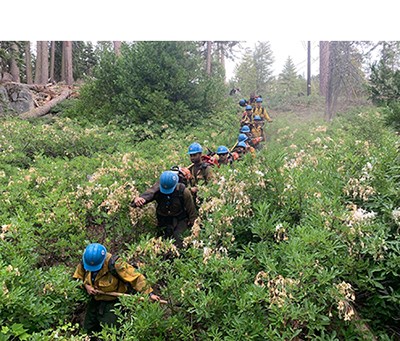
<point>111,266</point>
<point>181,189</point>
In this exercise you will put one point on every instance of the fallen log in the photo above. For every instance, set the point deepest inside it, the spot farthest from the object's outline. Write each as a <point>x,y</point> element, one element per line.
<point>43,110</point>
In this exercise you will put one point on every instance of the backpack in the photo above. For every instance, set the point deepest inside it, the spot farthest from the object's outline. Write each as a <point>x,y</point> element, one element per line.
<point>113,271</point>
<point>209,160</point>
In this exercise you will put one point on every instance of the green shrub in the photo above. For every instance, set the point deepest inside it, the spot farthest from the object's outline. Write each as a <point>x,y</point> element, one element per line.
<point>293,242</point>
<point>152,81</point>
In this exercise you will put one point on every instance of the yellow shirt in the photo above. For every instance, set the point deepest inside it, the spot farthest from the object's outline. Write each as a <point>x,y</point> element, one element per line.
<point>262,112</point>
<point>257,131</point>
<point>106,282</point>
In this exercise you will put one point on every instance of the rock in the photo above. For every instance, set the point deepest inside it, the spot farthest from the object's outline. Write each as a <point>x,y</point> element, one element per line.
<point>4,101</point>
<point>7,77</point>
<point>15,98</point>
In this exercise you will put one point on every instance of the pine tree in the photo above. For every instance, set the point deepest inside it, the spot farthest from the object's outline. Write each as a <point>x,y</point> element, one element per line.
<point>263,60</point>
<point>254,74</point>
<point>289,82</point>
<point>246,74</point>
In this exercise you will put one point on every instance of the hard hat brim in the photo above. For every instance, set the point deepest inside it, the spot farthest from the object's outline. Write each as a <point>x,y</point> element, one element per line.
<point>89,267</point>
<point>167,191</point>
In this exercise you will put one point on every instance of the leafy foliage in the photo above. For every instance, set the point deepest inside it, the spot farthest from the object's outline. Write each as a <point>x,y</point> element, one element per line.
<point>385,91</point>
<point>254,73</point>
<point>152,81</point>
<point>300,241</point>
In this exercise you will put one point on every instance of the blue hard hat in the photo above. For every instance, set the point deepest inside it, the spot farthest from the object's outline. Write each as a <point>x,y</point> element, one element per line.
<point>257,118</point>
<point>242,102</point>
<point>242,137</point>
<point>241,144</point>
<point>94,256</point>
<point>249,107</point>
<point>245,129</point>
<point>222,150</point>
<point>259,99</point>
<point>168,182</point>
<point>195,148</point>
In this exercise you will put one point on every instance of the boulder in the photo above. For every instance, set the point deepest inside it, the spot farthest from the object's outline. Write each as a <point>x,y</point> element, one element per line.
<point>15,98</point>
<point>4,101</point>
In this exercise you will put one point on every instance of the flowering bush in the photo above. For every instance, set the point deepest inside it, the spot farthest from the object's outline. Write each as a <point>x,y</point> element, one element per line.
<point>299,242</point>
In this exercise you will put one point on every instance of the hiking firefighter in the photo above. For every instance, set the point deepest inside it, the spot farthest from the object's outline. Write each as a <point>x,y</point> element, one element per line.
<point>258,130</point>
<point>251,141</point>
<point>239,150</point>
<point>201,168</point>
<point>175,210</point>
<point>224,156</point>
<point>246,140</point>
<point>104,276</point>
<point>261,111</point>
<point>252,100</point>
<point>247,116</point>
<point>243,102</point>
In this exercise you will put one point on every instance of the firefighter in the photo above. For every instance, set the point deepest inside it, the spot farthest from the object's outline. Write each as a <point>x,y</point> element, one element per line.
<point>175,210</point>
<point>200,170</point>
<point>252,99</point>
<point>101,272</point>
<point>239,150</point>
<point>247,116</point>
<point>258,130</point>
<point>224,156</point>
<point>243,102</point>
<point>246,130</point>
<point>261,111</point>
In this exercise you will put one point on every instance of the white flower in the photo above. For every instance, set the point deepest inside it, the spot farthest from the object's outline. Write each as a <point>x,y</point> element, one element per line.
<point>396,215</point>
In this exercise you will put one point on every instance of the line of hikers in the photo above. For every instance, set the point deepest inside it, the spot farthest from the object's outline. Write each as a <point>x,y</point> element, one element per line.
<point>105,276</point>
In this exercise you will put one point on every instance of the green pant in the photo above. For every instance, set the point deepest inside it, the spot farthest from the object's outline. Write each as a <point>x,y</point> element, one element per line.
<point>172,229</point>
<point>99,312</point>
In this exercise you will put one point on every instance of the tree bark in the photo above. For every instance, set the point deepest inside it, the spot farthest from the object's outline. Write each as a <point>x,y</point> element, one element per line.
<point>14,69</point>
<point>38,63</point>
<point>52,61</point>
<point>208,60</point>
<point>308,68</point>
<point>45,63</point>
<point>117,48</point>
<point>28,62</point>
<point>222,58</point>
<point>67,52</point>
<point>331,86</point>
<point>43,110</point>
<point>323,67</point>
<point>42,63</point>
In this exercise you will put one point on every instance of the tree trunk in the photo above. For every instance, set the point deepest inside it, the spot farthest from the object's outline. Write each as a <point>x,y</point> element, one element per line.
<point>14,69</point>
<point>38,63</point>
<point>28,62</point>
<point>208,60</point>
<point>308,68</point>
<point>42,63</point>
<point>323,67</point>
<point>331,86</point>
<point>62,77</point>
<point>117,48</point>
<point>52,61</point>
<point>45,63</point>
<point>43,110</point>
<point>222,58</point>
<point>67,52</point>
